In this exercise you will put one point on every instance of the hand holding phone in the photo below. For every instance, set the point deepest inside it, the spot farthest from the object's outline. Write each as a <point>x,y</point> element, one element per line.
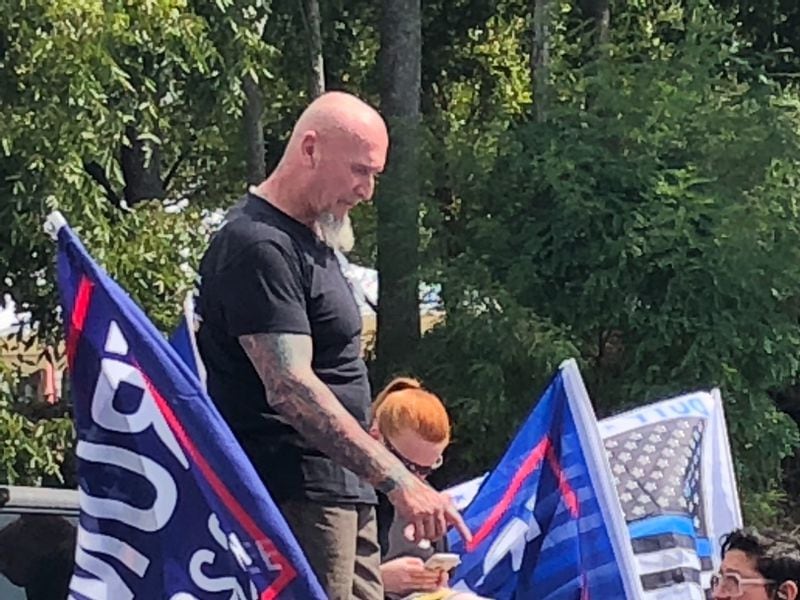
<point>442,561</point>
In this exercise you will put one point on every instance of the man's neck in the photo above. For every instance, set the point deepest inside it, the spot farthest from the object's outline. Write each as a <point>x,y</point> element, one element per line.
<point>279,192</point>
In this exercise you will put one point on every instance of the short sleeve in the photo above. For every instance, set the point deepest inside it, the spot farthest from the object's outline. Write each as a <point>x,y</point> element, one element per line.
<point>262,292</point>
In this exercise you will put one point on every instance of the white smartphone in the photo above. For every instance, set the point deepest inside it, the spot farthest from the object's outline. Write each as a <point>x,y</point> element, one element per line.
<point>442,561</point>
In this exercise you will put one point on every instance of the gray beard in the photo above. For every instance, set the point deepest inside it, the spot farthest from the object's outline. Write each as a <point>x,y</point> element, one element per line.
<point>338,234</point>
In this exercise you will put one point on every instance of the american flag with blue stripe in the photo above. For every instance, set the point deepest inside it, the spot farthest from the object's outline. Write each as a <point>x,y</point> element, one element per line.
<point>657,470</point>
<point>546,521</point>
<point>672,467</point>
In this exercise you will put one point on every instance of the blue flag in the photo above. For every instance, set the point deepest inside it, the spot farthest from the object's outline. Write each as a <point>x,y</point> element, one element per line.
<point>184,341</point>
<point>546,521</point>
<point>170,507</point>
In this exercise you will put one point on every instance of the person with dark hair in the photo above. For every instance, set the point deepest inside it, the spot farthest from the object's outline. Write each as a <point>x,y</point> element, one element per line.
<point>37,553</point>
<point>758,566</point>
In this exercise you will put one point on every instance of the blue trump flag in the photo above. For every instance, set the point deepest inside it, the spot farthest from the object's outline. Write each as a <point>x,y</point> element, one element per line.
<point>170,507</point>
<point>546,522</point>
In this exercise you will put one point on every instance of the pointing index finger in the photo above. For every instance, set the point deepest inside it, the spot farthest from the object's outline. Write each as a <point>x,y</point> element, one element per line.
<point>454,517</point>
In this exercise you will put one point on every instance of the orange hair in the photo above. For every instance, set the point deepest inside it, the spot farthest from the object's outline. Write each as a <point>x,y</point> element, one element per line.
<point>404,404</point>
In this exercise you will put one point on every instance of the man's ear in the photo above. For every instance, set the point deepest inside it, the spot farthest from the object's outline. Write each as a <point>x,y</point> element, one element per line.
<point>787,591</point>
<point>309,148</point>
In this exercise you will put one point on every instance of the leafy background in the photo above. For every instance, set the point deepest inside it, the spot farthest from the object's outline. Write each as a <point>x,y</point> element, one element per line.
<point>634,206</point>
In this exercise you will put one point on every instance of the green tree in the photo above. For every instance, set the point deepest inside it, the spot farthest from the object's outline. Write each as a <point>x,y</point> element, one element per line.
<point>36,441</point>
<point>312,19</point>
<point>127,117</point>
<point>653,219</point>
<point>768,30</point>
<point>111,112</point>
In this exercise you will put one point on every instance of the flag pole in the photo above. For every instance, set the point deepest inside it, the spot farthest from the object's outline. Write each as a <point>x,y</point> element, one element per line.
<point>600,476</point>
<point>54,222</point>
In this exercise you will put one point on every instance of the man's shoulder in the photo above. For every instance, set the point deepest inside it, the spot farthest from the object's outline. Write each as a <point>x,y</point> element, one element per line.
<point>245,233</point>
<point>243,246</point>
<point>253,221</point>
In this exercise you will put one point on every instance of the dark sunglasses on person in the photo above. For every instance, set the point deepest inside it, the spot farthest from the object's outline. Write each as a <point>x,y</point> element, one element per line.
<point>417,469</point>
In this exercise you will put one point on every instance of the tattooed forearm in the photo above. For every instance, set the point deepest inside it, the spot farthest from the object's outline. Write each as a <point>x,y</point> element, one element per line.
<point>283,361</point>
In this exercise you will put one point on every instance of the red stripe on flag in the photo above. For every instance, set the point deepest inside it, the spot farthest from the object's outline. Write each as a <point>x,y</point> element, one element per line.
<point>569,495</point>
<point>77,320</point>
<point>531,463</point>
<point>232,504</point>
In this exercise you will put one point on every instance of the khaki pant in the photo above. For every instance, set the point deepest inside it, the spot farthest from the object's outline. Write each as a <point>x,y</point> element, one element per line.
<point>340,542</point>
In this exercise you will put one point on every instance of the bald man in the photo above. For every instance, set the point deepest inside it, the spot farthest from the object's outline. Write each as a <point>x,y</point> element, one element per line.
<point>280,338</point>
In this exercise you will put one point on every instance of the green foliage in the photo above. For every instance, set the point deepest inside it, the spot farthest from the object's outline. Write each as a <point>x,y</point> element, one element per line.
<point>649,227</point>
<point>107,105</point>
<point>768,508</point>
<point>489,361</point>
<point>35,449</point>
<point>158,268</point>
<point>769,31</point>
<point>113,112</point>
<point>654,218</point>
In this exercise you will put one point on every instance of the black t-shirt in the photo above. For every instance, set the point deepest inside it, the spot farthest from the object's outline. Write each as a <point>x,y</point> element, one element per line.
<point>265,272</point>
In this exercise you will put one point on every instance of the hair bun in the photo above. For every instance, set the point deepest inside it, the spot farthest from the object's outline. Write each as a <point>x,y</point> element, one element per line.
<point>402,383</point>
<point>397,384</point>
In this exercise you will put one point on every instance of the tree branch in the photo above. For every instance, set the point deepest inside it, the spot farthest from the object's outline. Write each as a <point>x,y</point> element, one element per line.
<point>173,170</point>
<point>96,172</point>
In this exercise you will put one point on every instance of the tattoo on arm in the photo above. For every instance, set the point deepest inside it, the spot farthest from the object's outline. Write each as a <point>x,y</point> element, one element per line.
<point>283,361</point>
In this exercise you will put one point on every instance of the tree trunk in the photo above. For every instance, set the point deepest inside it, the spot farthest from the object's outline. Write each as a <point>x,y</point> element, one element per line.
<point>540,57</point>
<point>141,168</point>
<point>398,198</point>
<point>599,12</point>
<point>253,131</point>
<point>602,20</point>
<point>313,25</point>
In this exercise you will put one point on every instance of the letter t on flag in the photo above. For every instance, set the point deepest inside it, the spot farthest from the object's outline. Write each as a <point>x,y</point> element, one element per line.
<point>547,523</point>
<point>170,506</point>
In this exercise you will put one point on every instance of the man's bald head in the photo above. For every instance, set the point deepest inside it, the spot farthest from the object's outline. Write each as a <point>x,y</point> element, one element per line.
<point>336,149</point>
<point>339,113</point>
